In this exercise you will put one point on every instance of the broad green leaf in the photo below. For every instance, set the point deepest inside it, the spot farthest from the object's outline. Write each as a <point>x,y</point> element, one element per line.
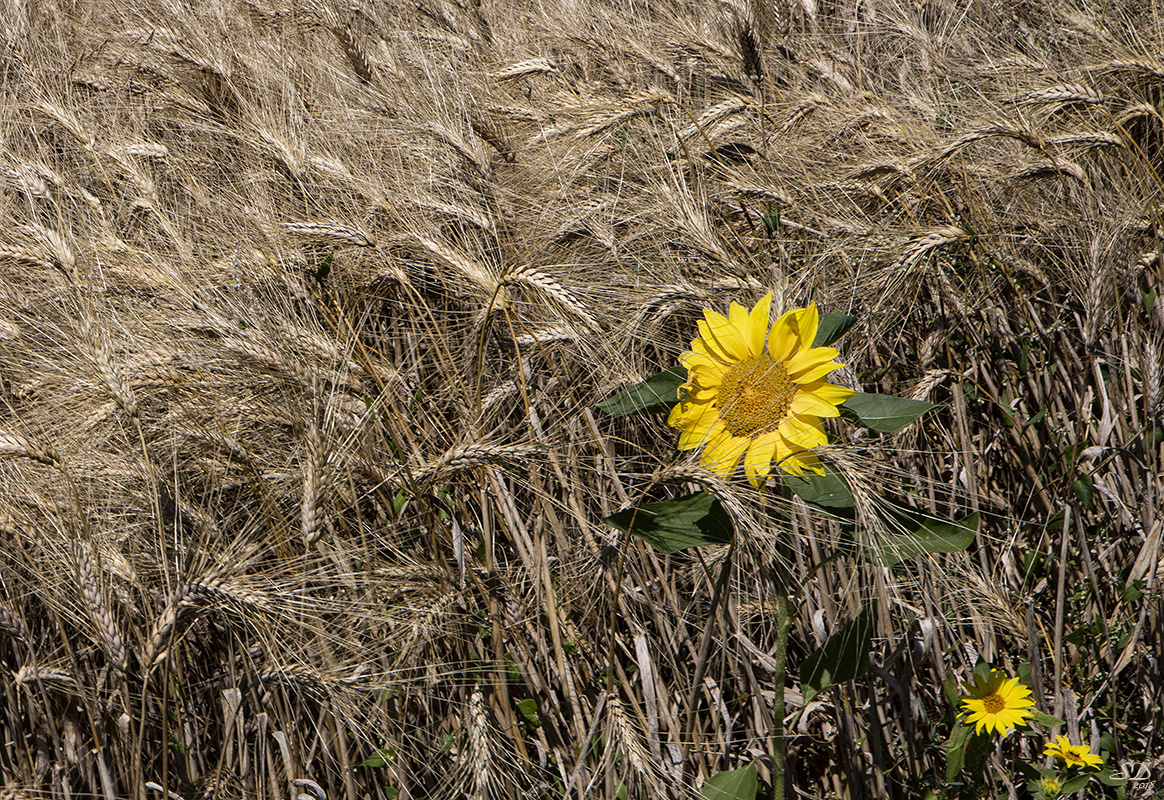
<point>955,749</point>
<point>977,749</point>
<point>735,784</point>
<point>657,393</point>
<point>1084,488</point>
<point>831,328</point>
<point>1028,770</point>
<point>381,758</point>
<point>952,691</point>
<point>883,412</point>
<point>673,525</point>
<point>826,491</point>
<point>841,658</point>
<point>528,711</point>
<point>1046,720</point>
<point>1073,785</point>
<point>930,536</point>
<point>1107,778</point>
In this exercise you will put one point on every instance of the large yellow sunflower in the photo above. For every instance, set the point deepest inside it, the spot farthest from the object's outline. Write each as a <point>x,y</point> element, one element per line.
<point>757,394</point>
<point>996,703</point>
<point>1073,755</point>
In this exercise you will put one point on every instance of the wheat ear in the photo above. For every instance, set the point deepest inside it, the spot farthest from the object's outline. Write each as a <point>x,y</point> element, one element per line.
<point>475,455</point>
<point>480,761</point>
<point>12,624</point>
<point>95,604</point>
<point>14,444</point>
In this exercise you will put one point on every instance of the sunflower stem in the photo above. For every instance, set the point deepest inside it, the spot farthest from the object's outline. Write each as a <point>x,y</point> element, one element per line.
<point>783,626</point>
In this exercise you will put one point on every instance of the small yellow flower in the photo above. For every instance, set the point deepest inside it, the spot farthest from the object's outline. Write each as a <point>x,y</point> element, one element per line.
<point>1073,755</point>
<point>1049,787</point>
<point>757,394</point>
<point>996,703</point>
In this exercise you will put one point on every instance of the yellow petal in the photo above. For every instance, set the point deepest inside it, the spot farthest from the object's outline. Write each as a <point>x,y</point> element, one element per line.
<point>723,453</point>
<point>757,332</point>
<point>723,339</point>
<point>794,331</point>
<point>819,399</point>
<point>700,394</point>
<point>809,321</point>
<point>809,360</point>
<point>803,432</point>
<point>800,461</point>
<point>758,462</point>
<point>697,425</point>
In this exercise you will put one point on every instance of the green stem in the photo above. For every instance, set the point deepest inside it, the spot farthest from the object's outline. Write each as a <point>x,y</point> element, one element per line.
<point>783,626</point>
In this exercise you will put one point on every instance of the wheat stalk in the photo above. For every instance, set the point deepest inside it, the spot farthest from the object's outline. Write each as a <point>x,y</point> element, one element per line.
<point>1057,166</point>
<point>533,276</point>
<point>355,53</point>
<point>1140,66</point>
<point>532,66</point>
<point>733,105</point>
<point>480,758</point>
<point>554,333</point>
<point>462,458</point>
<point>109,371</point>
<point>314,476</point>
<point>1087,139</point>
<point>14,444</point>
<point>926,243</point>
<point>28,673</point>
<point>12,624</point>
<point>95,604</point>
<point>628,740</point>
<point>1153,382</point>
<point>30,183</point>
<point>209,591</point>
<point>1066,93</point>
<point>329,231</point>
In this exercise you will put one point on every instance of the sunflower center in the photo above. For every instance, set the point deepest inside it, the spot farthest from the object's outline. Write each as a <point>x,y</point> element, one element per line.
<point>992,704</point>
<point>754,396</point>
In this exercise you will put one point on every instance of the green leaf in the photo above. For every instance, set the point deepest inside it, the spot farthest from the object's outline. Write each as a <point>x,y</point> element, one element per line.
<point>528,711</point>
<point>1106,777</point>
<point>657,393</point>
<point>1028,770</point>
<point>977,749</point>
<point>381,758</point>
<point>952,691</point>
<point>955,749</point>
<point>1084,488</point>
<point>841,658</point>
<point>883,412</point>
<point>1132,591</point>
<point>831,328</point>
<point>673,525</point>
<point>1074,785</point>
<point>826,491</point>
<point>325,268</point>
<point>1046,720</point>
<point>735,784</point>
<point>930,536</point>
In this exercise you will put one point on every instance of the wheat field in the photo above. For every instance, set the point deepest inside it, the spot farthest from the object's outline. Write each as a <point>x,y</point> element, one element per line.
<point>306,311</point>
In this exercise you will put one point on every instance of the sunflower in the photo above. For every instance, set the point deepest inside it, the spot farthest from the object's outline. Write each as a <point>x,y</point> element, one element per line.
<point>755,394</point>
<point>997,703</point>
<point>1073,755</point>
